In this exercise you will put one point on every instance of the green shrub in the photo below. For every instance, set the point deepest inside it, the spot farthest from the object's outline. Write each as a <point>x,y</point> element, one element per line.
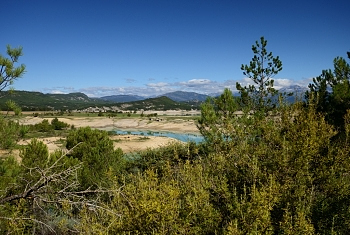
<point>9,133</point>
<point>58,125</point>
<point>35,154</point>
<point>43,126</point>
<point>95,149</point>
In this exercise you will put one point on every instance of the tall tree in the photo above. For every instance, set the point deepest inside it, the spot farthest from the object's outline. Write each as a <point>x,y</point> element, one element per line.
<point>218,117</point>
<point>331,92</point>
<point>8,71</point>
<point>261,69</point>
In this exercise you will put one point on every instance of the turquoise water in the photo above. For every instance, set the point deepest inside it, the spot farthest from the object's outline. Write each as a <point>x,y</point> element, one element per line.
<point>179,136</point>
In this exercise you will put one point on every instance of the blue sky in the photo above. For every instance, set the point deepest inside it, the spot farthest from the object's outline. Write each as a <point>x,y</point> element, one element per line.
<point>150,47</point>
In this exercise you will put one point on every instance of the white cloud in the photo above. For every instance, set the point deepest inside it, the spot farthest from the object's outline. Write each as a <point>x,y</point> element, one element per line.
<point>159,84</point>
<point>194,82</point>
<point>246,82</point>
<point>280,83</point>
<point>202,86</point>
<point>304,82</point>
<point>57,92</point>
<point>130,80</point>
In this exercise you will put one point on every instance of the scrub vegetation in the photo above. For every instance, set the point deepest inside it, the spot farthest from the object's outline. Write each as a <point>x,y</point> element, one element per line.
<point>276,168</point>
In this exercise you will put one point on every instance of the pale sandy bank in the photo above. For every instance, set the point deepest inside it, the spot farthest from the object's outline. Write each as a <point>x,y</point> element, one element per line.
<point>128,143</point>
<point>160,124</point>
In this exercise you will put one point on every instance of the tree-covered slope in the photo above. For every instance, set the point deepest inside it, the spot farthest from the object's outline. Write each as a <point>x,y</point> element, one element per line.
<point>122,98</point>
<point>183,96</point>
<point>159,103</point>
<point>39,101</point>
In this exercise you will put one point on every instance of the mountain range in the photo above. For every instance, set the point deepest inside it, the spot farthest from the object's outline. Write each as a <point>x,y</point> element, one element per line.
<point>122,98</point>
<point>178,96</point>
<point>77,101</point>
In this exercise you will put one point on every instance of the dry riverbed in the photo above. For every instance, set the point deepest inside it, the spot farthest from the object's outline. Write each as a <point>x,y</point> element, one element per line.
<point>128,143</point>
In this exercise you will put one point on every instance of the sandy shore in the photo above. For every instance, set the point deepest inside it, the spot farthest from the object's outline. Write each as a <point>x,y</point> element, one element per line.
<point>128,143</point>
<point>134,143</point>
<point>159,124</point>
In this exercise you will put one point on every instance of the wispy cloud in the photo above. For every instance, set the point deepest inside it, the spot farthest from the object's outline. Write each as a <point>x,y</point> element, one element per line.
<point>280,83</point>
<point>58,90</point>
<point>130,80</point>
<point>159,85</point>
<point>199,85</point>
<point>206,86</point>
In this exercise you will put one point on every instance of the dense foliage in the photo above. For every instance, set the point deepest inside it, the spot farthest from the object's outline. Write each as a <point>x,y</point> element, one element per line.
<point>280,172</point>
<point>331,92</point>
<point>8,70</point>
<point>10,133</point>
<point>95,150</point>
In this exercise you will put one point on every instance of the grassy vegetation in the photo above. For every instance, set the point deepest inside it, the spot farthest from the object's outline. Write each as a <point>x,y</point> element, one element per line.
<point>274,168</point>
<point>72,115</point>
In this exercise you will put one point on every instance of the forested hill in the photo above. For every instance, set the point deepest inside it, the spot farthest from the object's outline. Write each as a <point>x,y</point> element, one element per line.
<point>182,96</point>
<point>159,103</point>
<point>33,101</point>
<point>37,101</point>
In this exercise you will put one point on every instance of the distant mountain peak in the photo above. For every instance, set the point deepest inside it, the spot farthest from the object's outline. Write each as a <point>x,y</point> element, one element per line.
<point>122,98</point>
<point>183,96</point>
<point>294,88</point>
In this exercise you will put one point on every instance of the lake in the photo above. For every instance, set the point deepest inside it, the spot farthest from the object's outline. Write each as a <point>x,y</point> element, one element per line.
<point>179,136</point>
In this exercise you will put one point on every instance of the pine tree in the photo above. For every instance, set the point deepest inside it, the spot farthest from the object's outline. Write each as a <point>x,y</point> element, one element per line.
<point>331,92</point>
<point>261,69</point>
<point>8,72</point>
